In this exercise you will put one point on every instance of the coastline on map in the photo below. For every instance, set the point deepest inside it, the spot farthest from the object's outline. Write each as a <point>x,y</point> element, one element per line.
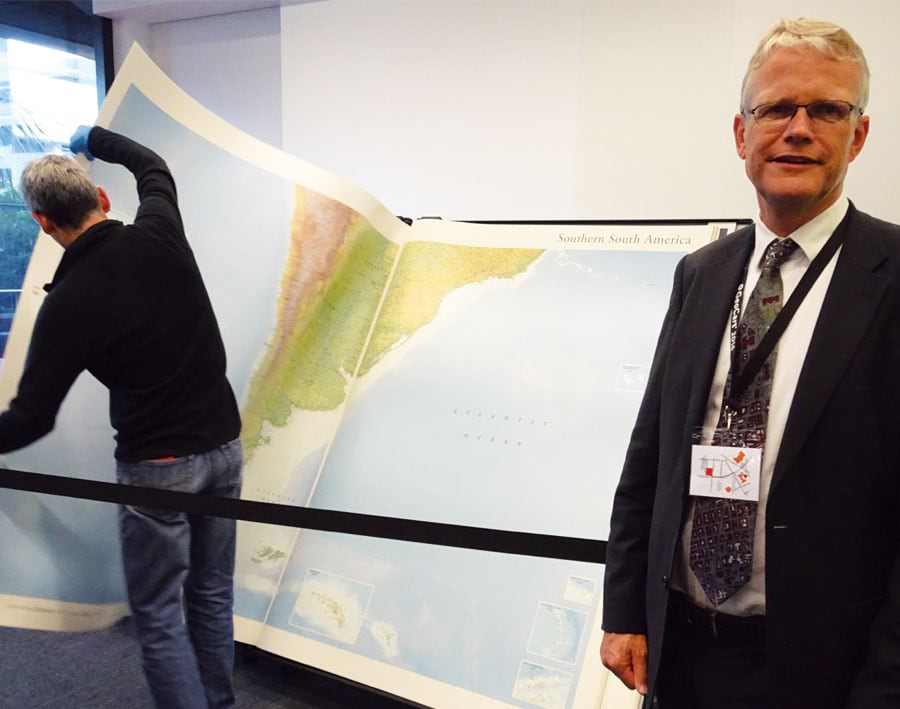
<point>458,299</point>
<point>270,473</point>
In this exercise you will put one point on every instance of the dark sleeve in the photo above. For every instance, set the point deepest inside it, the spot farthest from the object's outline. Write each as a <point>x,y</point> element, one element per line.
<point>56,356</point>
<point>158,207</point>
<point>625,578</point>
<point>877,683</point>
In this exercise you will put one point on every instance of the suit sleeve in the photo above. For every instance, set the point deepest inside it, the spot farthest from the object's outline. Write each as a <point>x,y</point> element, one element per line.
<point>626,555</point>
<point>877,684</point>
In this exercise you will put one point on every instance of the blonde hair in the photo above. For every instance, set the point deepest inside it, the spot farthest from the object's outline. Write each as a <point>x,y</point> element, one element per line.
<point>830,39</point>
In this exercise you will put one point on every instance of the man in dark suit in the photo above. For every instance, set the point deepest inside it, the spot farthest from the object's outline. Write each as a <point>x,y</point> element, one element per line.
<point>791,598</point>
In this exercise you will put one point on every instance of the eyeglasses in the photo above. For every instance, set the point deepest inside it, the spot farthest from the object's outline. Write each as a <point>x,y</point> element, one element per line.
<point>823,110</point>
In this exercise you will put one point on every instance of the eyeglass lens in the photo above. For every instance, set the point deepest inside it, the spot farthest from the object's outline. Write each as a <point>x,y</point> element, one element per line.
<point>829,111</point>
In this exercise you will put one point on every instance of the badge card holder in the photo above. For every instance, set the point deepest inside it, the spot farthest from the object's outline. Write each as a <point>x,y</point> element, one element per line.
<point>726,463</point>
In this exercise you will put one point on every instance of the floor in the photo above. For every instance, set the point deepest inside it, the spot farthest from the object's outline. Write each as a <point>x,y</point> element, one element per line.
<point>102,670</point>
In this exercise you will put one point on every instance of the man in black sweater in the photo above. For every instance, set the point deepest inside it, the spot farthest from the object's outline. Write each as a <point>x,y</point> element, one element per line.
<point>128,304</point>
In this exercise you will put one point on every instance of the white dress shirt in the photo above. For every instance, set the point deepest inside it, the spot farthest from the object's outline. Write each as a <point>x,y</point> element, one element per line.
<point>792,348</point>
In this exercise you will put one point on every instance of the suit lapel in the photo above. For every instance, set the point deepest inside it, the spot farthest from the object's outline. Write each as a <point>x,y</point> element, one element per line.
<point>714,302</point>
<point>850,304</point>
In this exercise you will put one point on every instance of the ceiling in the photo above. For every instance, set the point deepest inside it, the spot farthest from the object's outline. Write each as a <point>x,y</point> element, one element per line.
<point>153,11</point>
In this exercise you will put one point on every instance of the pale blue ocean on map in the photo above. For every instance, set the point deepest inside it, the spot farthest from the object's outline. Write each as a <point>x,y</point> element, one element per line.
<point>504,411</point>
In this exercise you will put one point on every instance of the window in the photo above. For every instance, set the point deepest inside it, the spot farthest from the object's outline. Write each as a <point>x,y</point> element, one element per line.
<point>54,64</point>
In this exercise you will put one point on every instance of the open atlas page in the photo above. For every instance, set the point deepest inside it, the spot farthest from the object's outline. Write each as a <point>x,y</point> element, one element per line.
<point>475,374</point>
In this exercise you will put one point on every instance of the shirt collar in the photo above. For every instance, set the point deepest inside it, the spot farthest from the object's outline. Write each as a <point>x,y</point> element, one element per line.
<point>810,237</point>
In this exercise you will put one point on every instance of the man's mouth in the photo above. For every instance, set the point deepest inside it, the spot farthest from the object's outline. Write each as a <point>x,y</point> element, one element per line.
<point>794,160</point>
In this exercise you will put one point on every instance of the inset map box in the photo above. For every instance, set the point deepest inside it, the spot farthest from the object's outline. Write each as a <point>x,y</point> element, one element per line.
<point>632,377</point>
<point>331,605</point>
<point>557,632</point>
<point>542,686</point>
<point>580,590</point>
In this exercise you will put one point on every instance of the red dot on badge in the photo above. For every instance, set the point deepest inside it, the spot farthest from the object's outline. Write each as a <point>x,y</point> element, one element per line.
<point>728,489</point>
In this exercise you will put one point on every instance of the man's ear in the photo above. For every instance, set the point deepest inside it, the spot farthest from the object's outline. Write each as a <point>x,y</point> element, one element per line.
<point>739,127</point>
<point>47,225</point>
<point>104,200</point>
<point>860,132</point>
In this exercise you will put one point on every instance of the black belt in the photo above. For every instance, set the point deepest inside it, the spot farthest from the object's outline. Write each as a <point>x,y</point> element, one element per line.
<point>713,624</point>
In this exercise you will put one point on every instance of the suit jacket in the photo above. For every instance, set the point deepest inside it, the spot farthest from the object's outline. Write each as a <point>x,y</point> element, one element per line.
<point>833,516</point>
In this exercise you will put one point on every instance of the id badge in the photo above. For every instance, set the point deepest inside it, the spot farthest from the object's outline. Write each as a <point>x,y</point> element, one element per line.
<point>726,464</point>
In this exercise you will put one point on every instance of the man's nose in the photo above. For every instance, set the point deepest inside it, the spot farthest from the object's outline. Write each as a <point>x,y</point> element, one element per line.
<point>800,125</point>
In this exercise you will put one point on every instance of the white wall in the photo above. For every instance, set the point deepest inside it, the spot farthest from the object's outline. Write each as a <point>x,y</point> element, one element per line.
<point>550,109</point>
<point>439,108</point>
<point>521,109</point>
<point>230,63</point>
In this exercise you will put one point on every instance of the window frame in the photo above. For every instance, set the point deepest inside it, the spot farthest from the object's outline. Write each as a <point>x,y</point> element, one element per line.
<point>66,25</point>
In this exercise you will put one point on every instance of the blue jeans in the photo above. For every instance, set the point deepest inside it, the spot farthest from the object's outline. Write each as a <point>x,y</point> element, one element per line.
<point>179,572</point>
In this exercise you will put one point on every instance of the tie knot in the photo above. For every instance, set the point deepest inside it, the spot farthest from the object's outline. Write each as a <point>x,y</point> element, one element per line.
<point>776,254</point>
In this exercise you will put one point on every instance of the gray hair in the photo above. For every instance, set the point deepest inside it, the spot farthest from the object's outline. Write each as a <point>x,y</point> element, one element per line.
<point>830,39</point>
<point>60,189</point>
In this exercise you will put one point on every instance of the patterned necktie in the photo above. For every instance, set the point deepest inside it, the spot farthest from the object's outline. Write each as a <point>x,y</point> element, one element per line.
<point>721,549</point>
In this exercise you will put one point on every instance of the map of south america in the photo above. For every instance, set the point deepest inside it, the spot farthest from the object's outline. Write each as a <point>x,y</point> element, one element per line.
<point>334,275</point>
<point>348,296</point>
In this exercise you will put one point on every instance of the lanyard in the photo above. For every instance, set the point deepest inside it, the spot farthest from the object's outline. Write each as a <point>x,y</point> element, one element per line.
<point>773,334</point>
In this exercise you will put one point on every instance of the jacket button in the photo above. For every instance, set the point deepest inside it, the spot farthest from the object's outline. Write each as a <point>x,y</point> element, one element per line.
<point>665,581</point>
